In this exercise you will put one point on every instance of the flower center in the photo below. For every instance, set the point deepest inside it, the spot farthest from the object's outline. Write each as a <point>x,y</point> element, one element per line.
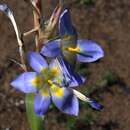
<point>45,78</point>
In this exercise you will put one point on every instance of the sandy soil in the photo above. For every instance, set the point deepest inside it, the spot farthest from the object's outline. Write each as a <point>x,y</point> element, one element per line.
<point>108,23</point>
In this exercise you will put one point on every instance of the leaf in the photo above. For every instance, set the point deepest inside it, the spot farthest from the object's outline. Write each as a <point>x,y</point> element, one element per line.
<point>36,122</point>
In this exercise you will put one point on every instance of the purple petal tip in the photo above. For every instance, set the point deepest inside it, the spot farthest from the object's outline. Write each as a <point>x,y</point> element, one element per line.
<point>95,105</point>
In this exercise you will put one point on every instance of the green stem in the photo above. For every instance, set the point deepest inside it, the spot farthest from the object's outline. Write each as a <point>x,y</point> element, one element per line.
<point>35,122</point>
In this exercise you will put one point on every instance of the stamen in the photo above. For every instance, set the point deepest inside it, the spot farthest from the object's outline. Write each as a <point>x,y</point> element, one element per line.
<point>77,49</point>
<point>50,82</point>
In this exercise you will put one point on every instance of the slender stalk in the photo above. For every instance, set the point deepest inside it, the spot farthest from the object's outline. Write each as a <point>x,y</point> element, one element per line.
<point>4,8</point>
<point>36,15</point>
<point>36,24</point>
<point>36,123</point>
<point>31,31</point>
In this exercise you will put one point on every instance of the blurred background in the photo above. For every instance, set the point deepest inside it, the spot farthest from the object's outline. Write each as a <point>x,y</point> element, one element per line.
<point>108,80</point>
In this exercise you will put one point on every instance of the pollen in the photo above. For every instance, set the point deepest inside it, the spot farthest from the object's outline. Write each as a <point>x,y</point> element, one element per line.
<point>37,81</point>
<point>57,91</point>
<point>77,49</point>
<point>54,71</point>
<point>50,82</point>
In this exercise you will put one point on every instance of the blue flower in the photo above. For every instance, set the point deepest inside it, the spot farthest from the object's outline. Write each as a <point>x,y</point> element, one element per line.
<point>71,78</point>
<point>46,83</point>
<point>82,50</point>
